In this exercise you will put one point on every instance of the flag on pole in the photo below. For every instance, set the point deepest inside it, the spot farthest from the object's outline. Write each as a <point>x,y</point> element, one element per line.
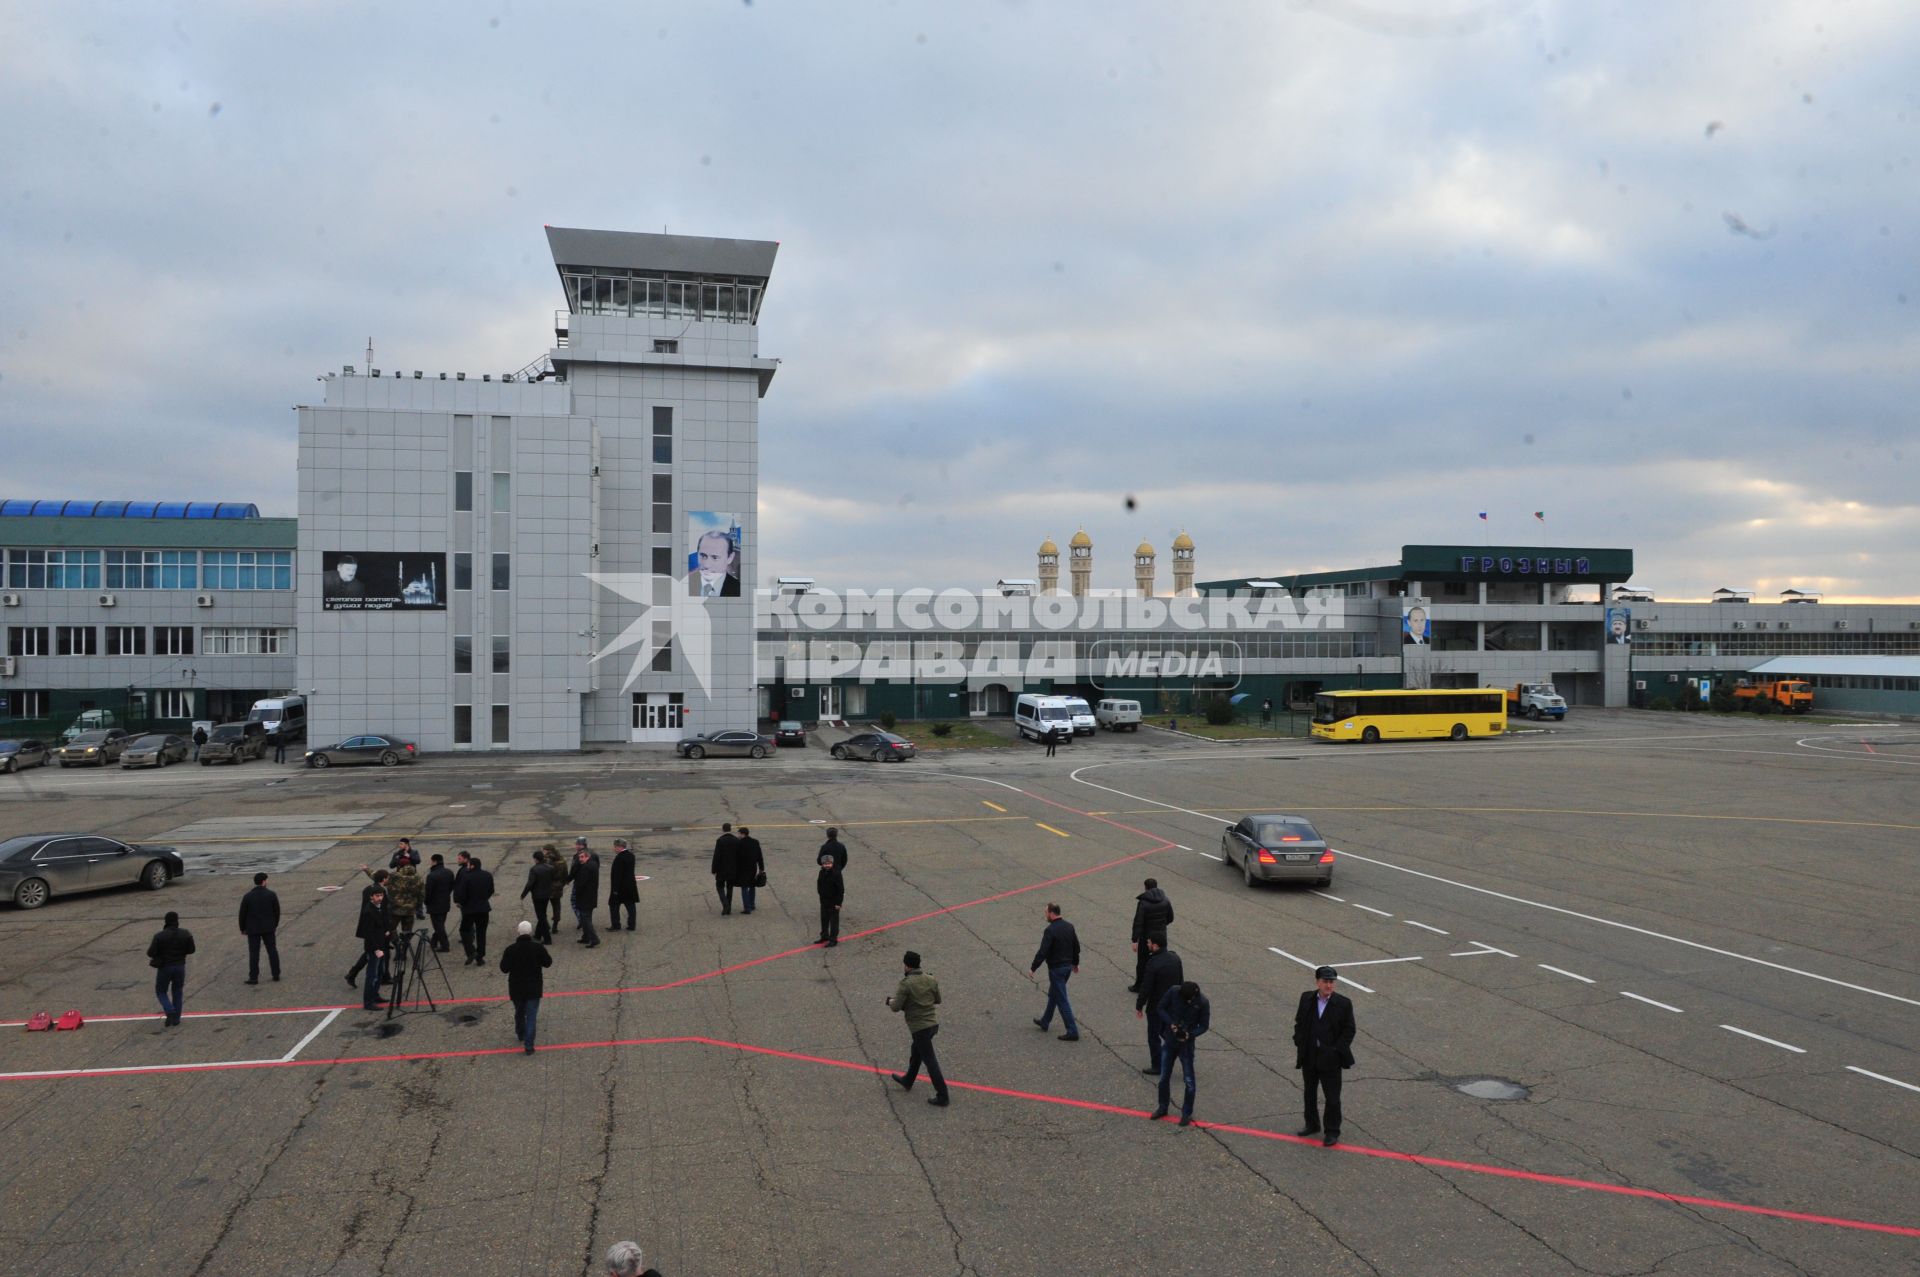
<point>1540,515</point>
<point>1483,516</point>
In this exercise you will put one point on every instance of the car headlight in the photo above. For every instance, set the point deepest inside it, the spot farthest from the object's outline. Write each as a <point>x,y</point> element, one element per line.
<point>92,750</point>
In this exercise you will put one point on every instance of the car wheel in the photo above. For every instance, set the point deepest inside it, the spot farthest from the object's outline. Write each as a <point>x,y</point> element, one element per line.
<point>758,751</point>
<point>6,768</point>
<point>206,762</point>
<point>389,759</point>
<point>1533,712</point>
<point>319,760</point>
<point>155,876</point>
<point>696,751</point>
<point>1246,871</point>
<point>1323,883</point>
<point>1370,736</point>
<point>1459,732</point>
<point>839,752</point>
<point>31,894</point>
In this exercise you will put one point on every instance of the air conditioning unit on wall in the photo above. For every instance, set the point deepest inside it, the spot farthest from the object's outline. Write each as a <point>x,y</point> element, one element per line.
<point>1642,625</point>
<point>1639,684</point>
<point>6,667</point>
<point>1839,625</point>
<point>203,600</point>
<point>107,600</point>
<point>1738,625</point>
<point>13,600</point>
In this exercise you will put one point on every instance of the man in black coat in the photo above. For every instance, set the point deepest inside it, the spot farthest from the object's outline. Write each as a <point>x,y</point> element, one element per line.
<point>540,887</point>
<point>259,919</point>
<point>404,854</point>
<point>623,890</point>
<point>586,894</point>
<point>167,955</point>
<point>833,893</point>
<point>376,941</point>
<point>523,963</point>
<point>1059,953</point>
<point>1162,973</point>
<point>438,900</point>
<point>376,881</point>
<point>1152,912</point>
<point>473,894</point>
<point>726,849</point>
<point>1323,1031</point>
<point>835,848</point>
<point>749,863</point>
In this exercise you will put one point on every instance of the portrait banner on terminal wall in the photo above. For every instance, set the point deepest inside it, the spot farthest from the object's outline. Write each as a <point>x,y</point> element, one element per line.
<point>715,544</point>
<point>383,581</point>
<point>1415,625</point>
<point>1620,625</point>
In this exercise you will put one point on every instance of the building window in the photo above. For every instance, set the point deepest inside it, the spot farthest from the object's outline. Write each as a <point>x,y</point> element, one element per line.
<point>463,724</point>
<point>502,571</point>
<point>663,436</point>
<point>502,492</point>
<point>30,704</point>
<point>75,640</point>
<point>665,346</point>
<point>53,569</point>
<point>245,640</point>
<point>462,571</point>
<point>173,640</point>
<point>663,659</point>
<point>663,503</point>
<point>246,570</point>
<point>501,722</point>
<point>173,703</point>
<point>663,560</point>
<point>502,653</point>
<point>153,569</point>
<point>126,640</point>
<point>463,654</point>
<point>463,489</point>
<point>28,640</point>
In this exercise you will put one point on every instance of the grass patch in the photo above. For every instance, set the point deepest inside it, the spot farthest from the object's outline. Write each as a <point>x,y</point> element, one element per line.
<point>964,735</point>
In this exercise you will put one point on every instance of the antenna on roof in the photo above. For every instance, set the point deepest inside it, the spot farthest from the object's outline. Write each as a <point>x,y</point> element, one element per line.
<point>369,356</point>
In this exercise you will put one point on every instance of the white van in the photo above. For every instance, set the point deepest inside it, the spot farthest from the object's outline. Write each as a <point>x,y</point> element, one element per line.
<point>1084,723</point>
<point>1035,716</point>
<point>1117,715</point>
<point>284,714</point>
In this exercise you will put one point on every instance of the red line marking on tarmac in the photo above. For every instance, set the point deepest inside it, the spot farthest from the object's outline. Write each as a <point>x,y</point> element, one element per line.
<point>1063,1101</point>
<point>1869,747</point>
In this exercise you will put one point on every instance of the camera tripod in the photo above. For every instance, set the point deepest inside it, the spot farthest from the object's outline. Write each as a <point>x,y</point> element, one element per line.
<point>414,951</point>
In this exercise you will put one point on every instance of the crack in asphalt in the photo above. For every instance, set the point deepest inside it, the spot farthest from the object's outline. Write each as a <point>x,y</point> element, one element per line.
<point>266,1166</point>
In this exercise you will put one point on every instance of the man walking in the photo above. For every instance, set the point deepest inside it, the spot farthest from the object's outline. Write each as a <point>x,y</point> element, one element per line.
<point>916,998</point>
<point>1323,1031</point>
<point>375,932</point>
<point>199,739</point>
<point>1162,973</point>
<point>523,962</point>
<point>378,883</point>
<point>749,867</point>
<point>623,889</point>
<point>167,955</point>
<point>586,892</point>
<point>1152,912</point>
<point>540,887</point>
<point>473,895</point>
<point>259,920</point>
<point>833,892</point>
<point>1187,1014</point>
<point>278,739</point>
<point>1059,953</point>
<point>726,853</point>
<point>437,895</point>
<point>561,877</point>
<point>835,848</point>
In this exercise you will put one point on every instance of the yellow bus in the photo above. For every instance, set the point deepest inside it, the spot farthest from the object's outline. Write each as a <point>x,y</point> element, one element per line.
<point>1450,713</point>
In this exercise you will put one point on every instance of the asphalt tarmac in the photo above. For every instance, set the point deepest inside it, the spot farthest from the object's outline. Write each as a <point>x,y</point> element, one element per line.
<point>1637,995</point>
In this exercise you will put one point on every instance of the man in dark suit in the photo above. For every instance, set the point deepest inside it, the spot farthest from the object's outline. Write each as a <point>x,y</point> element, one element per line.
<point>540,887</point>
<point>1163,971</point>
<point>1059,953</point>
<point>473,895</point>
<point>726,850</point>
<point>438,900</point>
<point>749,863</point>
<point>259,919</point>
<point>1323,1031</point>
<point>523,963</point>
<point>623,889</point>
<point>586,892</point>
<point>376,939</point>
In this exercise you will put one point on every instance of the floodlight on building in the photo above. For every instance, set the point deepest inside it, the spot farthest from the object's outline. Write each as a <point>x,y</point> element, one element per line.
<point>459,376</point>
<point>373,372</point>
<point>417,374</point>
<point>443,376</point>
<point>486,376</point>
<point>346,370</point>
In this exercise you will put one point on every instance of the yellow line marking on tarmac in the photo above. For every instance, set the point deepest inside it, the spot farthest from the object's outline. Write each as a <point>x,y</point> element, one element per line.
<point>995,806</point>
<point>627,831</point>
<point>1555,811</point>
<point>1050,829</point>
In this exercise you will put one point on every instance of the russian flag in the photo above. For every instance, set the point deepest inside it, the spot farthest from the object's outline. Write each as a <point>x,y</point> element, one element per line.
<point>1483,516</point>
<point>1540,515</point>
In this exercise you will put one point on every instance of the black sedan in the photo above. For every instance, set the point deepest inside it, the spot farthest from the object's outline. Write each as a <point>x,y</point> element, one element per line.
<point>737,743</point>
<point>36,867</point>
<point>790,733</point>
<point>354,751</point>
<point>875,747</point>
<point>17,755</point>
<point>156,750</point>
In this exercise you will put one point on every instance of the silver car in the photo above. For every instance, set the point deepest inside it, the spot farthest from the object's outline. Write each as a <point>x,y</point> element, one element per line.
<point>17,755</point>
<point>1278,848</point>
<point>739,744</point>
<point>156,750</point>
<point>92,749</point>
<point>36,867</point>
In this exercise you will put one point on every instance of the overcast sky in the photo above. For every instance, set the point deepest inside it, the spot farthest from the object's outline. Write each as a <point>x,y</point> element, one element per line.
<point>1310,280</point>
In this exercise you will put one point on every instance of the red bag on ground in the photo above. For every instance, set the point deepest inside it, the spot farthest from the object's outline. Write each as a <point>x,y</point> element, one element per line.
<point>69,1020</point>
<point>40,1022</point>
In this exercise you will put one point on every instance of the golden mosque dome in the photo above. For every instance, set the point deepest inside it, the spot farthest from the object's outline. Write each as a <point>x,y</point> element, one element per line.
<point>1145,550</point>
<point>1183,542</point>
<point>1048,547</point>
<point>1081,538</point>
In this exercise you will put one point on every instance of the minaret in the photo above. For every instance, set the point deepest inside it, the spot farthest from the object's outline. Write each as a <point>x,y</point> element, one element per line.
<point>1080,562</point>
<point>1183,564</point>
<point>1143,569</point>
<point>1049,572</point>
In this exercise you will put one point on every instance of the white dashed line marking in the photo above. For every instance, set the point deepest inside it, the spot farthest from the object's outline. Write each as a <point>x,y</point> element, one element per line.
<point>1481,951</point>
<point>1424,927</point>
<point>1209,855</point>
<point>1571,975</point>
<point>1784,1046</point>
<point>1375,962</point>
<point>1327,896</point>
<point>1312,965</point>
<point>1370,909</point>
<point>1881,1077</point>
<point>1650,1002</point>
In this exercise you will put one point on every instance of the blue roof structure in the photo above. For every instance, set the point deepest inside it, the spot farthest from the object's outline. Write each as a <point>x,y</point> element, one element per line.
<point>128,509</point>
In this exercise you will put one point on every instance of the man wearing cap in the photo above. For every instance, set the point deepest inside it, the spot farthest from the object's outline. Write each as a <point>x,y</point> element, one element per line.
<point>523,962</point>
<point>259,920</point>
<point>167,955</point>
<point>917,996</point>
<point>623,888</point>
<point>1323,1031</point>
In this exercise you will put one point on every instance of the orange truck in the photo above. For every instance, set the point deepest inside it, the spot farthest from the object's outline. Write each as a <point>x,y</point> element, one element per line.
<point>1790,694</point>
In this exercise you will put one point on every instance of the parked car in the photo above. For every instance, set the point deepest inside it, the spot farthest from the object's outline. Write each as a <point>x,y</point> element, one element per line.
<point>233,743</point>
<point>738,744</point>
<point>1278,849</point>
<point>17,755</point>
<point>156,750</point>
<point>790,733</point>
<point>356,751</point>
<point>875,747</point>
<point>36,867</point>
<point>90,720</point>
<point>1118,715</point>
<point>93,749</point>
